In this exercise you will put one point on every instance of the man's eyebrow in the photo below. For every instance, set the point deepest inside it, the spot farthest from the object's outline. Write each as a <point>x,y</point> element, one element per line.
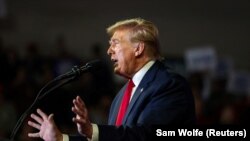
<point>114,40</point>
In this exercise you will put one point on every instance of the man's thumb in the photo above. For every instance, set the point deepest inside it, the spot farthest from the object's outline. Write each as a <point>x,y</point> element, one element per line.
<point>51,118</point>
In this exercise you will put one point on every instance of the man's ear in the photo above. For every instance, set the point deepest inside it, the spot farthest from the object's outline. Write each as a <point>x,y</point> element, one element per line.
<point>139,49</point>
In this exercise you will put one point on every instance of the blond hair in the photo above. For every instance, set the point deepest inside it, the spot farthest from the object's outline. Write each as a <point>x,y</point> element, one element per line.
<point>141,31</point>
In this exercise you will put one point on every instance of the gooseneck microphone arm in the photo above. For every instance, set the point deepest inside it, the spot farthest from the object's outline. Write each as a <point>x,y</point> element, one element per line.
<point>53,85</point>
<point>39,96</point>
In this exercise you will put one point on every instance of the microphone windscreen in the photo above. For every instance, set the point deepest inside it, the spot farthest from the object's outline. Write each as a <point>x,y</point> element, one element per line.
<point>93,66</point>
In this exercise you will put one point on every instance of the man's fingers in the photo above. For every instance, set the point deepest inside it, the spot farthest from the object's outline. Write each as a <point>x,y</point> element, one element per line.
<point>36,118</point>
<point>34,135</point>
<point>79,121</point>
<point>78,112</point>
<point>51,118</point>
<point>78,98</point>
<point>35,125</point>
<point>78,105</point>
<point>42,114</point>
<point>79,102</point>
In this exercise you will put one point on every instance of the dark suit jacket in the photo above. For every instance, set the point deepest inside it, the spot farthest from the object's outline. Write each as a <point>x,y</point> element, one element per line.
<point>162,98</point>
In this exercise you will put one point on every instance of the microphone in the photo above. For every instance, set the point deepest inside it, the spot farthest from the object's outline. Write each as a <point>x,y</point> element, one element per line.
<point>77,71</point>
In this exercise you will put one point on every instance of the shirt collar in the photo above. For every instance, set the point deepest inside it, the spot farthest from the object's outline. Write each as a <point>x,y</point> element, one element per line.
<point>139,75</point>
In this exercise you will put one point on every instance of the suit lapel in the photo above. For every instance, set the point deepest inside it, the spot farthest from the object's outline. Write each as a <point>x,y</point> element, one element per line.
<point>145,82</point>
<point>137,94</point>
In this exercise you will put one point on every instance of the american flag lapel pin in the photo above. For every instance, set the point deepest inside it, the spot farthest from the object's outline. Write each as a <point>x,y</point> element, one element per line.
<point>141,90</point>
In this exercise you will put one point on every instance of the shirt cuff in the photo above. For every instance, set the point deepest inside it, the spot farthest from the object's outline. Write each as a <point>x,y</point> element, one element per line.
<point>95,135</point>
<point>65,137</point>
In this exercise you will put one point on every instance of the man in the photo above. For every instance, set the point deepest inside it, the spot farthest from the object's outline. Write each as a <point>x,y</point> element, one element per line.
<point>158,97</point>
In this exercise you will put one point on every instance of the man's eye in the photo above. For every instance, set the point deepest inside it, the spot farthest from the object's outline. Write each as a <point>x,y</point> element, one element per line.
<point>114,42</point>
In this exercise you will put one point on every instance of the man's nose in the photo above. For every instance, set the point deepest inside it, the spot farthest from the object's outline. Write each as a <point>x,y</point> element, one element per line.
<point>109,51</point>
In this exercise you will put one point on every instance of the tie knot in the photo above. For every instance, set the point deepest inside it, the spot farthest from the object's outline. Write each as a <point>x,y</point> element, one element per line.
<point>131,83</point>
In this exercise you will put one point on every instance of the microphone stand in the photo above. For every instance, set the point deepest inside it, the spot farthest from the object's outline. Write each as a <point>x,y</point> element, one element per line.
<point>67,78</point>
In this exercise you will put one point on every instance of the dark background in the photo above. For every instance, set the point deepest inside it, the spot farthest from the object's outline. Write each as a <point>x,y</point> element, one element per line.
<point>41,39</point>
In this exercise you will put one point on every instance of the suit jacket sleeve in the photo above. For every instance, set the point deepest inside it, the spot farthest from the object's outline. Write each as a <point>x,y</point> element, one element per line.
<point>77,138</point>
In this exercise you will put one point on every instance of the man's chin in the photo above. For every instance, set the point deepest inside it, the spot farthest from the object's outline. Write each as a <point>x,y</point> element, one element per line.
<point>116,71</point>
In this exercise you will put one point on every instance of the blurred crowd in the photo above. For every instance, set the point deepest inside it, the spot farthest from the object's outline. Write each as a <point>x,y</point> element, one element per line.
<point>21,78</point>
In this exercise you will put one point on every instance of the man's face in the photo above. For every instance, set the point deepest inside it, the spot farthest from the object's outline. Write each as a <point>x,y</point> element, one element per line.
<point>121,51</point>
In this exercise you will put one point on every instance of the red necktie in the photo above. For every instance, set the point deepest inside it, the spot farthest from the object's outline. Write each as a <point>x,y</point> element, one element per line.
<point>124,103</point>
